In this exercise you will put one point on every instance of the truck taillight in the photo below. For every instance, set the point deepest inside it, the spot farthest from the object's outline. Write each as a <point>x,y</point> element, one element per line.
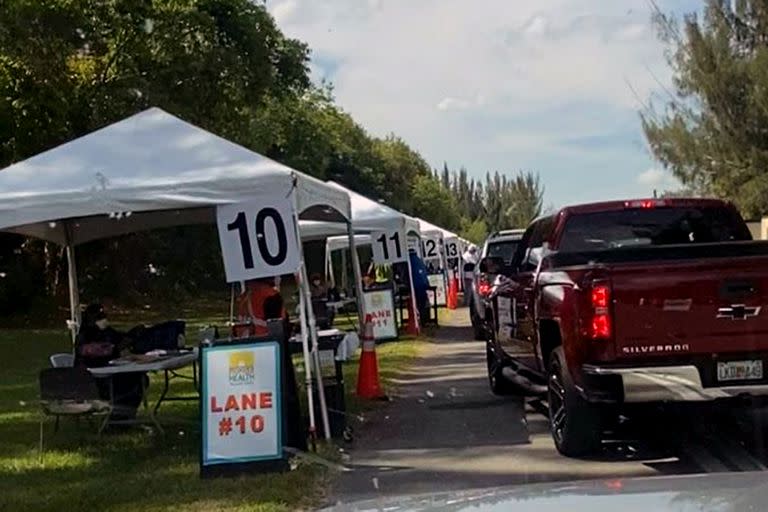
<point>601,324</point>
<point>483,287</point>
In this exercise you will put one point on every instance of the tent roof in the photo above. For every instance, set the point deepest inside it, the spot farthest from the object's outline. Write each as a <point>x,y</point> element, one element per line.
<point>367,215</point>
<point>162,170</point>
<point>335,243</point>
<point>429,228</point>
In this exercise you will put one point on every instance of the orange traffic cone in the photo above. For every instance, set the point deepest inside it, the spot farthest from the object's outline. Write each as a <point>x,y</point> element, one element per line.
<point>368,374</point>
<point>411,327</point>
<point>452,298</point>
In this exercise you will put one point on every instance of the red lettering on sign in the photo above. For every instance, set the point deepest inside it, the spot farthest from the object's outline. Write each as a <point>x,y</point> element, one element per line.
<point>265,400</point>
<point>231,404</point>
<point>257,423</point>
<point>249,401</point>
<point>214,406</point>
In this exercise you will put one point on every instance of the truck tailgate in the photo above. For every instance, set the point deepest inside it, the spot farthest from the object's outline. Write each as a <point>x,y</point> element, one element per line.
<point>706,306</point>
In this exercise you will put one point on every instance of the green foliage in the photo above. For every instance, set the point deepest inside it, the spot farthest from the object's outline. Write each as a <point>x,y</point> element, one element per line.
<point>501,203</point>
<point>432,201</point>
<point>711,131</point>
<point>475,231</point>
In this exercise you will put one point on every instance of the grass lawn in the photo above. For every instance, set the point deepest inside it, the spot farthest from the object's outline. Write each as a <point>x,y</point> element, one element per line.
<point>134,469</point>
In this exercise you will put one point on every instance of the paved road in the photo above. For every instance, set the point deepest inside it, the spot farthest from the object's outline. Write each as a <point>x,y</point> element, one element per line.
<point>446,431</point>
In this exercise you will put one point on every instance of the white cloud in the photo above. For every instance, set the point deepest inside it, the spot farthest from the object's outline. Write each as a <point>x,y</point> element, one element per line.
<point>655,177</point>
<point>450,103</point>
<point>402,65</point>
<point>283,11</point>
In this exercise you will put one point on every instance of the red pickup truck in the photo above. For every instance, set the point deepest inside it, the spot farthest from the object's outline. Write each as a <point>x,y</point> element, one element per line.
<point>629,302</point>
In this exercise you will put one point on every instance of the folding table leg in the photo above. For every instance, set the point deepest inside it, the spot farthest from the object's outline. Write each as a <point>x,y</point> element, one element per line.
<point>151,410</point>
<point>164,392</point>
<point>42,420</point>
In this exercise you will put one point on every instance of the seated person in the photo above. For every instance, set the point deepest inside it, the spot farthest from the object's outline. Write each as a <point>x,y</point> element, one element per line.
<point>317,287</point>
<point>97,343</point>
<point>261,301</point>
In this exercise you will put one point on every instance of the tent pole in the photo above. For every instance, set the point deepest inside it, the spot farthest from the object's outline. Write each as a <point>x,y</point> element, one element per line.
<point>414,305</point>
<point>305,292</point>
<point>74,290</point>
<point>358,278</point>
<point>304,329</point>
<point>344,276</point>
<point>329,275</point>
<point>232,302</point>
<point>307,362</point>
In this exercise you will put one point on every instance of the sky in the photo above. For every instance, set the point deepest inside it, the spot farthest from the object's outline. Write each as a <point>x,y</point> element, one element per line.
<point>552,86</point>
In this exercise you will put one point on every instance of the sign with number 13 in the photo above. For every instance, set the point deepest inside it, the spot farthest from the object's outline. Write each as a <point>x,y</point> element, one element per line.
<point>258,238</point>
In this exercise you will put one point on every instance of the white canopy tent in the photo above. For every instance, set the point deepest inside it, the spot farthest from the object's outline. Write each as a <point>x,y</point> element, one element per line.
<point>149,171</point>
<point>429,228</point>
<point>367,216</point>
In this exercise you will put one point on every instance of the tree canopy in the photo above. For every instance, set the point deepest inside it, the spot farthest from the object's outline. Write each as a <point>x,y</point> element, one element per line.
<point>711,129</point>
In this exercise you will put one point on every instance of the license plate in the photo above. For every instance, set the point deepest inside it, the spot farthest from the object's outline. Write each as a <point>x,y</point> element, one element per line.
<point>740,370</point>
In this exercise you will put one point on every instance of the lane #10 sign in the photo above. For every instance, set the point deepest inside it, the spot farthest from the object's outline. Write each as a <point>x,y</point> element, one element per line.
<point>258,238</point>
<point>242,419</point>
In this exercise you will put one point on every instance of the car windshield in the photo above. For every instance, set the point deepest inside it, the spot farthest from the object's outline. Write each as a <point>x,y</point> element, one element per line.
<point>650,226</point>
<point>504,250</point>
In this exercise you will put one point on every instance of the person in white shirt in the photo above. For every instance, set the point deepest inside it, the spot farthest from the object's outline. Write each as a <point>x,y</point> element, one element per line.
<point>470,257</point>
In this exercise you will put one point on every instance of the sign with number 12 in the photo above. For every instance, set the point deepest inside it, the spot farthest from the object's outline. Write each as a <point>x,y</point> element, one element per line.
<point>258,238</point>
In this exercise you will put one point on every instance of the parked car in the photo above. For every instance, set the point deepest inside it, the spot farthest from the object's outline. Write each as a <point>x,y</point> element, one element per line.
<point>628,302</point>
<point>498,250</point>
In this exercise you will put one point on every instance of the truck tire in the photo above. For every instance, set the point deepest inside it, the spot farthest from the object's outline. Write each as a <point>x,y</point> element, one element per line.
<point>574,423</point>
<point>477,328</point>
<point>496,381</point>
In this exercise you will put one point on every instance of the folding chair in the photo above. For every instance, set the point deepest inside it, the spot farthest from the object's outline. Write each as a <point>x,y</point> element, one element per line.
<point>62,360</point>
<point>70,391</point>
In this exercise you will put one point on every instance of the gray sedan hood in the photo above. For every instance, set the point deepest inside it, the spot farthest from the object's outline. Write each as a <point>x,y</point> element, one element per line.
<point>731,492</point>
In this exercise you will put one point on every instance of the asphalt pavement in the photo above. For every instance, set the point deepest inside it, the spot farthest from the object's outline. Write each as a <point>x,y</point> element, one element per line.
<point>445,431</point>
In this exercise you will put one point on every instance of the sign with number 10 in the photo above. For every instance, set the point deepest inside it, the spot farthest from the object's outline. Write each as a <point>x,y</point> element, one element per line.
<point>258,238</point>
<point>388,247</point>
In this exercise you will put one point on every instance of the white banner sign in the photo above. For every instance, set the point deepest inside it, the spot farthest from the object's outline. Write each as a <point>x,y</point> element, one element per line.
<point>451,246</point>
<point>388,247</point>
<point>430,248</point>
<point>438,281</point>
<point>242,420</point>
<point>258,238</point>
<point>380,305</point>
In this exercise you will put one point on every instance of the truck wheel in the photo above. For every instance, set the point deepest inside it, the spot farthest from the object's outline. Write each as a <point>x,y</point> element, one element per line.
<point>496,381</point>
<point>477,329</point>
<point>575,423</point>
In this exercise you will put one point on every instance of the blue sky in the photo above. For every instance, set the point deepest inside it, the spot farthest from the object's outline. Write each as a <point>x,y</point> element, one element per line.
<point>552,86</point>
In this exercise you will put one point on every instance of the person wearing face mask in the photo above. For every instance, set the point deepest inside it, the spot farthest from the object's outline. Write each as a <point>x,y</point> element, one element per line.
<point>317,287</point>
<point>96,345</point>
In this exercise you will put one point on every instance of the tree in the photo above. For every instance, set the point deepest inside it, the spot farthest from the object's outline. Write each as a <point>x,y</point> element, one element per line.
<point>434,203</point>
<point>526,198</point>
<point>711,131</point>
<point>475,231</point>
<point>68,68</point>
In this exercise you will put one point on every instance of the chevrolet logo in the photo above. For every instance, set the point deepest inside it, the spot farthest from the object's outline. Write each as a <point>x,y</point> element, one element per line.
<point>738,312</point>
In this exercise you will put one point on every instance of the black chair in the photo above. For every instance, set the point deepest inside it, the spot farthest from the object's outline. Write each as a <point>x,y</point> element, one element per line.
<point>70,392</point>
<point>323,317</point>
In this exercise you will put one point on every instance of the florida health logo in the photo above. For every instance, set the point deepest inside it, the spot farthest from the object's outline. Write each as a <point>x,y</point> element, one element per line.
<point>241,369</point>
